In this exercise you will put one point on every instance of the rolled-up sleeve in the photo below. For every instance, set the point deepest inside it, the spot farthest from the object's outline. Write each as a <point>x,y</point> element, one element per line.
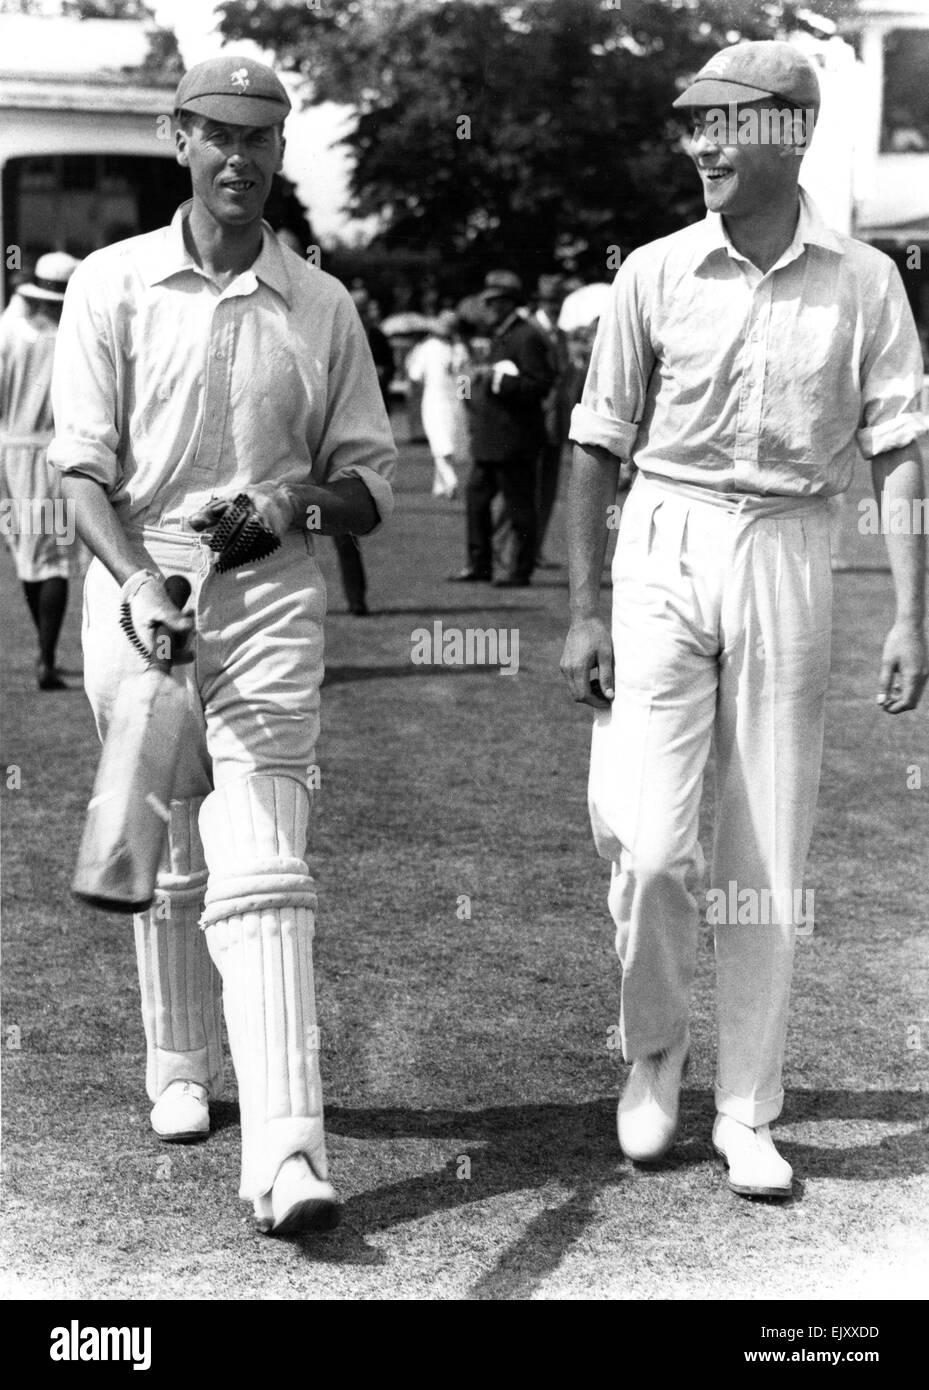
<point>891,378</point>
<point>621,363</point>
<point>84,385</point>
<point>357,440</point>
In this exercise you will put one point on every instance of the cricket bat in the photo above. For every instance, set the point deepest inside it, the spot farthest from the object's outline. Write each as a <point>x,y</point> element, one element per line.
<point>128,812</point>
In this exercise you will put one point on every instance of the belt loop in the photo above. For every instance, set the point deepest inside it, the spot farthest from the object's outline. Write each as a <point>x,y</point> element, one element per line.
<point>205,557</point>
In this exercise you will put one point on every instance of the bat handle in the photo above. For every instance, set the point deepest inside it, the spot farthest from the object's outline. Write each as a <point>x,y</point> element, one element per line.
<point>178,589</point>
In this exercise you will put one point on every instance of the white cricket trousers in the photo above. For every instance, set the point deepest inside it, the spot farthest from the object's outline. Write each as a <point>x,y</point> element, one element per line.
<point>722,615</point>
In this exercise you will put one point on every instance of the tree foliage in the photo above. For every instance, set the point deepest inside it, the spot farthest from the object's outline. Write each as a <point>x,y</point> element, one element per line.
<point>519,133</point>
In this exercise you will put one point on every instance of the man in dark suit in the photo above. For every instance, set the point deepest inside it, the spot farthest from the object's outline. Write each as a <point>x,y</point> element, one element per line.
<point>351,565</point>
<point>507,432</point>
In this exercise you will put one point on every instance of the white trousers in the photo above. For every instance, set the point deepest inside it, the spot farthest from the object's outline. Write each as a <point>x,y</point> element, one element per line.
<point>722,614</point>
<point>236,839</point>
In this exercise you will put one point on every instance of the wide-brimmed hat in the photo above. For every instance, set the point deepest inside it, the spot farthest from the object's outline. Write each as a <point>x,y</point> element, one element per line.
<point>52,273</point>
<point>502,284</point>
<point>752,72</point>
<point>236,91</point>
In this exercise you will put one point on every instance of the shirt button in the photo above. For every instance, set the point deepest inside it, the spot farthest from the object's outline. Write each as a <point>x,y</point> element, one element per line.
<point>219,354</point>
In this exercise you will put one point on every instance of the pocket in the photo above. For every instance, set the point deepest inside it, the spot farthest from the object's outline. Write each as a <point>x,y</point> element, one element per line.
<point>85,606</point>
<point>94,607</point>
<point>636,532</point>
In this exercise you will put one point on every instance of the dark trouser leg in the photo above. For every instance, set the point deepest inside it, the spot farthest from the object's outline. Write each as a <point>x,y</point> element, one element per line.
<point>352,570</point>
<point>31,589</point>
<point>503,537</point>
<point>479,493</point>
<point>517,479</point>
<point>549,468</point>
<point>53,600</point>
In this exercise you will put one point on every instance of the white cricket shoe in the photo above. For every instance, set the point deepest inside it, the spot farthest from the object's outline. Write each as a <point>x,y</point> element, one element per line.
<point>181,1114</point>
<point>298,1201</point>
<point>756,1169</point>
<point>647,1116</point>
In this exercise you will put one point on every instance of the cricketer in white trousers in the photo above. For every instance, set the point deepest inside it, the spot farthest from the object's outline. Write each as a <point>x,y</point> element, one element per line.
<point>234,911</point>
<point>721,630</point>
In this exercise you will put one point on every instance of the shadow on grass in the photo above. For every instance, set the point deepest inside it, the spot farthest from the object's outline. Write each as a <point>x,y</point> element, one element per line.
<point>341,675</point>
<point>888,1156</point>
<point>523,1148</point>
<point>224,1114</point>
<point>442,610</point>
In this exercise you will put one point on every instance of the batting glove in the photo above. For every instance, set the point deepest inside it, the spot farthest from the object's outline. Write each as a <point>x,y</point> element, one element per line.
<point>273,503</point>
<point>144,605</point>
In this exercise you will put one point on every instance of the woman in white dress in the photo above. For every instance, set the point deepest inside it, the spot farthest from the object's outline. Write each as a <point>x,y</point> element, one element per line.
<point>437,362</point>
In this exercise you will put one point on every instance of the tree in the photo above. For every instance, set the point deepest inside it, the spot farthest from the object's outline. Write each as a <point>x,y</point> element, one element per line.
<point>525,134</point>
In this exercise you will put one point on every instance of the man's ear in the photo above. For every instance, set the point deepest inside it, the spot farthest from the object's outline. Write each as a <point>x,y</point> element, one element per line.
<point>280,153</point>
<point>802,125</point>
<point>181,143</point>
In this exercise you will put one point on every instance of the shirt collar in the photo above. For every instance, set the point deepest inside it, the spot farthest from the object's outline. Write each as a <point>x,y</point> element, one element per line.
<point>811,230</point>
<point>174,257</point>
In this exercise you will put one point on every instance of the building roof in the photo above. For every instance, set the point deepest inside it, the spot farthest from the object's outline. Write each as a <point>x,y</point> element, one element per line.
<point>885,12</point>
<point>53,48</point>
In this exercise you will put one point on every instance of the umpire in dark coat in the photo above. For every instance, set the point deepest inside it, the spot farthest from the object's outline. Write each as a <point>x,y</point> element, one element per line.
<point>507,432</point>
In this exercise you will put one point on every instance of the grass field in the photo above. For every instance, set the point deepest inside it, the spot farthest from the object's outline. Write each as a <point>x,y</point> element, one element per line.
<point>470,1046</point>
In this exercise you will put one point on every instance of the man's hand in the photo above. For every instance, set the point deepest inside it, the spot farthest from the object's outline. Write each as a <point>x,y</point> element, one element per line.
<point>498,371</point>
<point>588,648</point>
<point>274,504</point>
<point>342,507</point>
<point>145,603</point>
<point>904,668</point>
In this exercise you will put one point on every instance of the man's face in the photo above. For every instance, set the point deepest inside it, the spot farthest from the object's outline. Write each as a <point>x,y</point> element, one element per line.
<point>745,155</point>
<point>362,304</point>
<point>44,310</point>
<point>499,310</point>
<point>231,167</point>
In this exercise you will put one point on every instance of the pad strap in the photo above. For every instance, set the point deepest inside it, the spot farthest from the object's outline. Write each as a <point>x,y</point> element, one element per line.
<point>256,892</point>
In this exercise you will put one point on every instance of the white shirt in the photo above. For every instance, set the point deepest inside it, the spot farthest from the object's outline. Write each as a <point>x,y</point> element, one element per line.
<point>707,371</point>
<point>168,390</point>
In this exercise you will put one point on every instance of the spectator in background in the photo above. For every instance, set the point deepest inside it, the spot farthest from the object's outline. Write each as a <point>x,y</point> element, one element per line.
<point>507,431</point>
<point>436,362</point>
<point>27,349</point>
<point>16,306</point>
<point>381,350</point>
<point>556,407</point>
<point>351,566</point>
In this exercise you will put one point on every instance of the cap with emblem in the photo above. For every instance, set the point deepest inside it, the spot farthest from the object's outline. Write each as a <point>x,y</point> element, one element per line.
<point>52,273</point>
<point>502,284</point>
<point>751,72</point>
<point>236,91</point>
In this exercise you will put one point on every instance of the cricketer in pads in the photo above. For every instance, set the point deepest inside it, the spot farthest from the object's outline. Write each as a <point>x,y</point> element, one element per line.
<point>744,362</point>
<point>216,406</point>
